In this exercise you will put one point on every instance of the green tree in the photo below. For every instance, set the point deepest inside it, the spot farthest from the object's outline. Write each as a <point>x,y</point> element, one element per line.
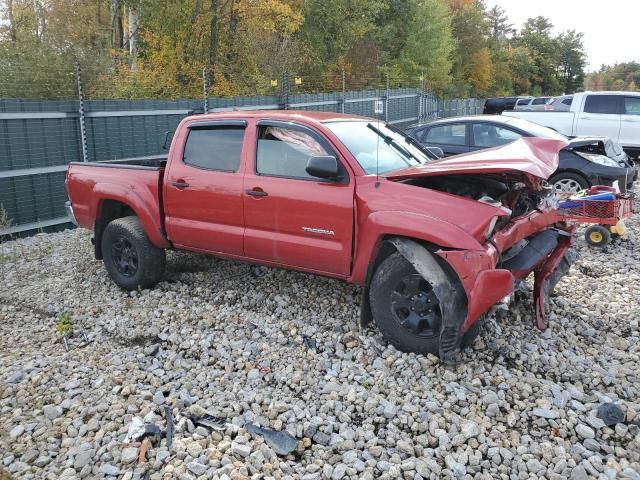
<point>430,44</point>
<point>471,61</point>
<point>536,37</point>
<point>571,60</point>
<point>499,25</point>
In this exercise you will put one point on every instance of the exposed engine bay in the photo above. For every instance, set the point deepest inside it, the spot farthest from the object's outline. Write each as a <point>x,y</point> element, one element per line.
<point>500,190</point>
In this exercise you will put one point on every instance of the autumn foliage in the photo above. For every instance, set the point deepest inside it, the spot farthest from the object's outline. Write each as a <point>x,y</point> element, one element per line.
<point>174,49</point>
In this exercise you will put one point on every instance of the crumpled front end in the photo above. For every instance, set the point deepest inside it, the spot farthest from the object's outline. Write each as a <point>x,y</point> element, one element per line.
<point>535,243</point>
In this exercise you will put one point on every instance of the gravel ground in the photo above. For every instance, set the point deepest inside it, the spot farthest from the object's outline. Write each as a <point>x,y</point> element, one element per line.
<point>251,344</point>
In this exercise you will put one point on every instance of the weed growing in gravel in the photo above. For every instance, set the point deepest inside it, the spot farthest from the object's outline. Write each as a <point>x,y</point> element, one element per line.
<point>64,325</point>
<point>5,221</point>
<point>5,257</point>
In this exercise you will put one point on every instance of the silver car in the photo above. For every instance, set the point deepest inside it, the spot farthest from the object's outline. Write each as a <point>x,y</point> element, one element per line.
<point>559,104</point>
<point>533,104</point>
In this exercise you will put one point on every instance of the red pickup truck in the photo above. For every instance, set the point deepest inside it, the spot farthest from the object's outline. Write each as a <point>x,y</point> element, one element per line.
<point>434,243</point>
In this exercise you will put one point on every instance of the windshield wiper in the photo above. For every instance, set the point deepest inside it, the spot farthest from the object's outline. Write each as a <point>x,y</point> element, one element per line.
<point>390,141</point>
<point>412,141</point>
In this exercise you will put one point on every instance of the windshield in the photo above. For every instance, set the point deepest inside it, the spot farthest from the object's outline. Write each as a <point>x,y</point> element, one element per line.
<point>535,129</point>
<point>384,152</point>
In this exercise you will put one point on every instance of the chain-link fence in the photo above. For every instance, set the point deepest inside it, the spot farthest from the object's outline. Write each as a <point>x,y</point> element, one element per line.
<point>49,119</point>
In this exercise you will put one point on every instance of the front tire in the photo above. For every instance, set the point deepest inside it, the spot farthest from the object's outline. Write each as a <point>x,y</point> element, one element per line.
<point>405,308</point>
<point>130,258</point>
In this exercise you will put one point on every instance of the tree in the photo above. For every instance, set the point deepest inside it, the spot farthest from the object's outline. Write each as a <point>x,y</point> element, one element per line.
<point>499,23</point>
<point>430,44</point>
<point>536,37</point>
<point>571,60</point>
<point>472,62</point>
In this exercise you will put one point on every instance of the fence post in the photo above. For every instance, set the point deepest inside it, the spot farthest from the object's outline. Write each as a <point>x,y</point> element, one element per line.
<point>344,92</point>
<point>420,95</point>
<point>386,101</point>
<point>284,97</point>
<point>81,119</point>
<point>205,88</point>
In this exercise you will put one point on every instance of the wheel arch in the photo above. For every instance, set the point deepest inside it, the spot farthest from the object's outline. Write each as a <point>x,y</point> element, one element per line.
<point>421,255</point>
<point>409,248</point>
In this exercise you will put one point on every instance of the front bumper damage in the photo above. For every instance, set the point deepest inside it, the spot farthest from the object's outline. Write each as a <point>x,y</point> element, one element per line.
<point>540,246</point>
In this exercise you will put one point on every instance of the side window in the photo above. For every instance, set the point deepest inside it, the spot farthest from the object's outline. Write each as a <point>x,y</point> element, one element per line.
<point>632,105</point>
<point>214,148</point>
<point>447,134</point>
<point>523,101</point>
<point>540,101</point>
<point>485,135</point>
<point>568,101</point>
<point>602,104</point>
<point>421,134</point>
<point>284,152</point>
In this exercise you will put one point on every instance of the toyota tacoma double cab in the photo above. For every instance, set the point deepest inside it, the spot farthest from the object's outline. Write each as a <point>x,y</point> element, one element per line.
<point>434,243</point>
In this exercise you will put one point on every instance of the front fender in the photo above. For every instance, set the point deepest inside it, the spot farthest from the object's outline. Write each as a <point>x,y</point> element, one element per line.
<point>380,225</point>
<point>141,200</point>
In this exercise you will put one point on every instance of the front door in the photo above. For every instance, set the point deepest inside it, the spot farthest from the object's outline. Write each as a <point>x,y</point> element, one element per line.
<point>292,218</point>
<point>203,194</point>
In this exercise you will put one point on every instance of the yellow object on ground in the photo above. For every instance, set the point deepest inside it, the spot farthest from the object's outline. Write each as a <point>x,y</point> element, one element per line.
<point>619,228</point>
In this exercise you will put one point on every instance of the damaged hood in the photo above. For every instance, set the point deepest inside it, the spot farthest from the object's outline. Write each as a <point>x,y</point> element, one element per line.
<point>607,146</point>
<point>535,157</point>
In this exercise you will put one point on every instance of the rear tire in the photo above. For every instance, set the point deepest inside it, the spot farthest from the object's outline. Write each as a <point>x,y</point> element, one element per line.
<point>129,256</point>
<point>405,308</point>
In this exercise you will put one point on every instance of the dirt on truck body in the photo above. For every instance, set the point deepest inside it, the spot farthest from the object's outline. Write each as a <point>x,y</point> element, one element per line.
<point>435,243</point>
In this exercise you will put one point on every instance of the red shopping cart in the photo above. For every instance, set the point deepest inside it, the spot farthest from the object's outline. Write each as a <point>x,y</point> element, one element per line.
<point>606,215</point>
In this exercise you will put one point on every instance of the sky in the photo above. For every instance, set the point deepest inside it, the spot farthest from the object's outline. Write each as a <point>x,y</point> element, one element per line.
<point>610,28</point>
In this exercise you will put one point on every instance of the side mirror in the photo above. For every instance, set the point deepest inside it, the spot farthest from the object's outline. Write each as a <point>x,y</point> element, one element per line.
<point>323,166</point>
<point>166,139</point>
<point>437,151</point>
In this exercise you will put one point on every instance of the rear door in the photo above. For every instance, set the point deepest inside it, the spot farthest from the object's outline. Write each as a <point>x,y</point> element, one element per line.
<point>487,135</point>
<point>292,218</point>
<point>600,116</point>
<point>203,194</point>
<point>450,137</point>
<point>630,122</point>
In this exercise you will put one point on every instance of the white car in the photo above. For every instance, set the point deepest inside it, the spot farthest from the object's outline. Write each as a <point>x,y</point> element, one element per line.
<point>596,114</point>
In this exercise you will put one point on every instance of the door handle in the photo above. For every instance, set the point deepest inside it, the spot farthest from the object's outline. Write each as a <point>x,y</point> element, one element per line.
<point>257,193</point>
<point>180,184</point>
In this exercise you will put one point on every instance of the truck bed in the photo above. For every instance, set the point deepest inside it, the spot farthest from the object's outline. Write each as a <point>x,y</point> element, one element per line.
<point>98,188</point>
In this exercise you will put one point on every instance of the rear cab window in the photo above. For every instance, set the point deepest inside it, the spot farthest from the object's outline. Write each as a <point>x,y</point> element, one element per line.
<point>632,105</point>
<point>604,104</point>
<point>454,134</point>
<point>214,147</point>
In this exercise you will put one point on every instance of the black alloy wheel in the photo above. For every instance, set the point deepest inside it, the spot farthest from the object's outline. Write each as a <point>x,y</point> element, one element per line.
<point>125,257</point>
<point>415,306</point>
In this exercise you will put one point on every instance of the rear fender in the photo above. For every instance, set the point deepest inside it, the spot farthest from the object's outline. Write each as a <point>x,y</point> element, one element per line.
<point>143,203</point>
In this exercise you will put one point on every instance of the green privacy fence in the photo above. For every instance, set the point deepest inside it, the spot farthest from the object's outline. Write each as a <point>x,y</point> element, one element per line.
<point>39,138</point>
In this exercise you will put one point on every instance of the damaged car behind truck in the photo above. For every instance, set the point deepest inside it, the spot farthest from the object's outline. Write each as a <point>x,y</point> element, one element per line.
<point>434,243</point>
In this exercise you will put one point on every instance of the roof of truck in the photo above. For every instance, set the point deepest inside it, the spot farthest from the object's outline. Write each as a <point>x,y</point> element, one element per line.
<point>320,117</point>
